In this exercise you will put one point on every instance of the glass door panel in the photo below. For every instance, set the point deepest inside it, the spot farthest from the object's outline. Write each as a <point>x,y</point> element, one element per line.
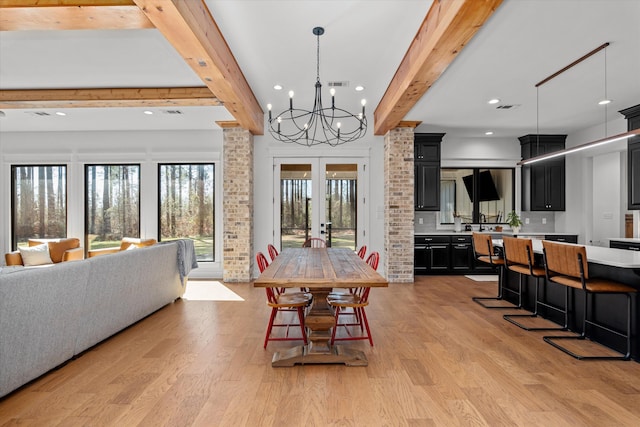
<point>295,204</point>
<point>341,205</point>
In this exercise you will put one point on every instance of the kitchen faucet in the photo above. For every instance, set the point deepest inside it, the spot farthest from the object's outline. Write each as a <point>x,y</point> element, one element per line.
<point>483,218</point>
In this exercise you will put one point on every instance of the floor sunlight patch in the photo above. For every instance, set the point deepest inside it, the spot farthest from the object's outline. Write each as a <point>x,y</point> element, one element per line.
<point>209,290</point>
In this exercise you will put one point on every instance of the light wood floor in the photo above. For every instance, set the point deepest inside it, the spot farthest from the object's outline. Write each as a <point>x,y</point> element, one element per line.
<point>439,360</point>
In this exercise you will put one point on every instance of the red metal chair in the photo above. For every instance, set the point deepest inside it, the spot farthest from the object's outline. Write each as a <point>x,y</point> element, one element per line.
<point>273,252</point>
<point>356,301</point>
<point>297,302</point>
<point>314,242</point>
<point>362,251</point>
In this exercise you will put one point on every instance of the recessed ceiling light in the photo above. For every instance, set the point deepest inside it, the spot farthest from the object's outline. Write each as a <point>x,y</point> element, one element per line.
<point>148,112</point>
<point>277,87</point>
<point>60,113</point>
<point>604,102</point>
<point>359,88</point>
<point>488,133</point>
<point>493,101</point>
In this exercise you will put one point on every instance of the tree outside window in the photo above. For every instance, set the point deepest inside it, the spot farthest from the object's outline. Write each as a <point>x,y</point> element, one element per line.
<point>112,204</point>
<point>186,205</point>
<point>38,202</point>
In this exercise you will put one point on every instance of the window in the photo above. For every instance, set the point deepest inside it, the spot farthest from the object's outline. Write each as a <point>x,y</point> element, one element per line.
<point>112,204</point>
<point>186,205</point>
<point>38,203</point>
<point>476,195</point>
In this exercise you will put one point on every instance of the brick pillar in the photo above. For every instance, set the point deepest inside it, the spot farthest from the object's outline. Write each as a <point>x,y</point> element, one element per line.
<point>237,204</point>
<point>398,204</point>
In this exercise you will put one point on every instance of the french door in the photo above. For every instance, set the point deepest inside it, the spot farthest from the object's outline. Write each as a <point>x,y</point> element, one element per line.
<point>320,197</point>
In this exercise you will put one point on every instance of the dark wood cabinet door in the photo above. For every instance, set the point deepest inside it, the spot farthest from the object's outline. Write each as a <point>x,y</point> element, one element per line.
<point>440,257</point>
<point>538,188</point>
<point>461,257</point>
<point>555,176</point>
<point>427,186</point>
<point>427,147</point>
<point>634,175</point>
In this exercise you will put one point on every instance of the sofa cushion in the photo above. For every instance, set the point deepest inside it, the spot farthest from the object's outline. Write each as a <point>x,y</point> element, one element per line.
<point>35,255</point>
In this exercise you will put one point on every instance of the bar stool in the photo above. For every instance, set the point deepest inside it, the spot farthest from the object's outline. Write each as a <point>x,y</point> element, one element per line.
<point>518,255</point>
<point>483,251</point>
<point>567,265</point>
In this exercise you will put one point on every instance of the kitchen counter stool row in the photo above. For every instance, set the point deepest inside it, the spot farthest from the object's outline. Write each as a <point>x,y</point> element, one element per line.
<point>596,307</point>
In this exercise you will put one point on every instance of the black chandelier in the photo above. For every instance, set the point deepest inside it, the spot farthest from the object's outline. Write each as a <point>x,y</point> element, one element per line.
<point>331,125</point>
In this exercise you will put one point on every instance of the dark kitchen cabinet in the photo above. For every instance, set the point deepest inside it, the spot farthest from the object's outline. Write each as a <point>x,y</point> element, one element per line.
<point>543,183</point>
<point>427,186</point>
<point>566,238</point>
<point>445,254</point>
<point>431,254</point>
<point>426,147</point>
<point>633,158</point>
<point>630,246</point>
<point>634,174</point>
<point>427,171</point>
<point>462,257</point>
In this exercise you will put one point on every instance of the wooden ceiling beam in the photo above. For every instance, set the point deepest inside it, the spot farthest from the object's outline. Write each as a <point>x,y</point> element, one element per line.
<point>23,15</point>
<point>94,98</point>
<point>447,28</point>
<point>192,31</point>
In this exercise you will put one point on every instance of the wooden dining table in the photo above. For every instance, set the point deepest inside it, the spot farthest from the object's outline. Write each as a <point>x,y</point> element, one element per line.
<point>320,270</point>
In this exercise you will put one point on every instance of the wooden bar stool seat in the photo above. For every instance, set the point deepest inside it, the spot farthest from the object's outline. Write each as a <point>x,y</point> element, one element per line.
<point>567,265</point>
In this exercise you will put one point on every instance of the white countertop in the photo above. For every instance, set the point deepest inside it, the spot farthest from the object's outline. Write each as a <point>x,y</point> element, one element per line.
<point>597,254</point>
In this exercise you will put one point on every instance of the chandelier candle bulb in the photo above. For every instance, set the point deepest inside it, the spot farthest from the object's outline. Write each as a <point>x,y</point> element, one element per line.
<point>269,108</point>
<point>332,91</point>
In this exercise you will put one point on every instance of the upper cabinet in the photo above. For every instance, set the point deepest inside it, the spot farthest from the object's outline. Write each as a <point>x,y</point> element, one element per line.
<point>633,122</point>
<point>427,171</point>
<point>543,183</point>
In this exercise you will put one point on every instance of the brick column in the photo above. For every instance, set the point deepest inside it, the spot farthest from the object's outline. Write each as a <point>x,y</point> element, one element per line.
<point>237,203</point>
<point>398,204</point>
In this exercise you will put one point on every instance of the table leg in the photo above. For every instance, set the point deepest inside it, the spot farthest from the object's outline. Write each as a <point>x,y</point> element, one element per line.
<point>319,321</point>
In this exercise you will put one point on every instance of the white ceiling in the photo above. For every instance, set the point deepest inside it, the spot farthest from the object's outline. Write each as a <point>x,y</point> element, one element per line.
<point>521,44</point>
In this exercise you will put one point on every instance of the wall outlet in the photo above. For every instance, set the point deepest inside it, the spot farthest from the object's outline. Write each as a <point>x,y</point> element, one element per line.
<point>526,220</point>
<point>544,220</point>
<point>420,221</point>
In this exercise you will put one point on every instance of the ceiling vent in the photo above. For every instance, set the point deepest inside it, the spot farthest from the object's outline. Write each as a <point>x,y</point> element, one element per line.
<point>40,113</point>
<point>338,84</point>
<point>172,112</point>
<point>507,106</point>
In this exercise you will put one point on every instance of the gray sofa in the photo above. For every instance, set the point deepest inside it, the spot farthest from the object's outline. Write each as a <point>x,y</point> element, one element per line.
<point>49,315</point>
